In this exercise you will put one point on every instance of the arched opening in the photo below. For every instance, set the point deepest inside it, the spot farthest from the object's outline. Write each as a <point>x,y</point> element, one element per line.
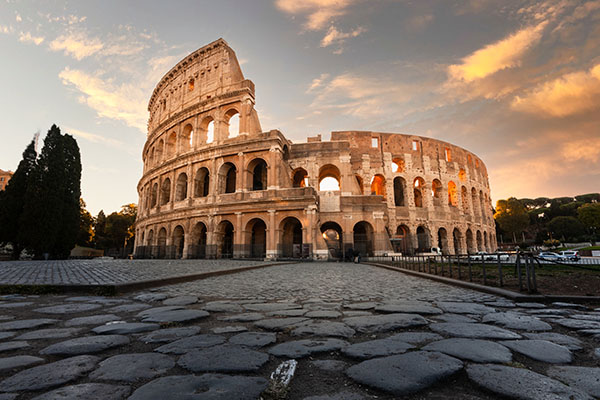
<point>154,195</point>
<point>462,175</point>
<point>465,199</point>
<point>178,242</point>
<point>452,194</point>
<point>227,178</point>
<point>436,192</point>
<point>457,239</point>
<point>470,243</point>
<point>423,243</point>
<point>224,240</point>
<point>443,241</point>
<point>210,131</point>
<point>291,238</point>
<point>257,170</point>
<point>399,187</point>
<point>202,182</point>
<point>187,137</point>
<point>401,240</point>
<point>419,187</point>
<point>486,245</point>
<point>150,159</point>
<point>198,247</point>
<point>475,201</point>
<point>378,185</point>
<point>258,238</point>
<point>479,241</point>
<point>181,187</point>
<point>300,178</point>
<point>359,183</point>
<point>150,238</point>
<point>159,151</point>
<point>165,192</point>
<point>482,204</point>
<point>161,244</point>
<point>363,238</point>
<point>171,144</point>
<point>329,178</point>
<point>333,236</point>
<point>397,165</point>
<point>232,121</point>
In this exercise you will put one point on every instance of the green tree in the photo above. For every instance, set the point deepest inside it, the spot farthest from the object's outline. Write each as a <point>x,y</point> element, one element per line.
<point>511,216</point>
<point>589,216</point>
<point>566,228</point>
<point>85,236</point>
<point>120,227</point>
<point>12,202</point>
<point>51,216</point>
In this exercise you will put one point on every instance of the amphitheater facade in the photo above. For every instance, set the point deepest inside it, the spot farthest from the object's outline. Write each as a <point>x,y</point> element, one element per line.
<point>215,184</point>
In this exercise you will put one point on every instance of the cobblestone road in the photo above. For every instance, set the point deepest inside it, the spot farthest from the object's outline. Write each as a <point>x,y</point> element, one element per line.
<point>356,332</point>
<point>106,272</point>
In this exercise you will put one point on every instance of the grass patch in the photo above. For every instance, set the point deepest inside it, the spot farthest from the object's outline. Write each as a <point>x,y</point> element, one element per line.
<point>591,248</point>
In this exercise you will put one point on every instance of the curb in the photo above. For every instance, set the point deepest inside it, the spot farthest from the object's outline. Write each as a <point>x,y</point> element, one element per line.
<point>540,298</point>
<point>120,288</point>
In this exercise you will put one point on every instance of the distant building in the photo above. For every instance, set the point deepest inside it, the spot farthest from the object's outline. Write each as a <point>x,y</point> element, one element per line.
<point>4,178</point>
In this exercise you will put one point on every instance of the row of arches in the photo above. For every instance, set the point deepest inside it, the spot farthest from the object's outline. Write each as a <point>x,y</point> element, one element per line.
<point>469,241</point>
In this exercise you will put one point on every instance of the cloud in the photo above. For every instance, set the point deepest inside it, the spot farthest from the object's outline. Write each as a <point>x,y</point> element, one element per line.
<point>6,29</point>
<point>77,44</point>
<point>18,18</point>
<point>419,22</point>
<point>92,137</point>
<point>27,38</point>
<point>569,94</point>
<point>494,57</point>
<point>319,13</point>
<point>317,82</point>
<point>125,102</point>
<point>334,36</point>
<point>585,149</point>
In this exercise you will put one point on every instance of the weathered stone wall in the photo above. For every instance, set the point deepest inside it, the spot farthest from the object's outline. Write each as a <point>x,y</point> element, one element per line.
<point>209,192</point>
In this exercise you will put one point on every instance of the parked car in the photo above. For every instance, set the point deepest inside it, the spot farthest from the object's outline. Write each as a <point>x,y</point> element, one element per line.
<point>550,256</point>
<point>434,251</point>
<point>496,256</point>
<point>479,256</point>
<point>570,255</point>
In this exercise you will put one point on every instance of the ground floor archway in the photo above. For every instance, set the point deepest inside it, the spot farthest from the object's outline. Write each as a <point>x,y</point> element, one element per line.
<point>363,238</point>
<point>291,238</point>
<point>333,236</point>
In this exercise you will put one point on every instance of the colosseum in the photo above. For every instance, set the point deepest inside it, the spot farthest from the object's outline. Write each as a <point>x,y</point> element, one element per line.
<point>216,185</point>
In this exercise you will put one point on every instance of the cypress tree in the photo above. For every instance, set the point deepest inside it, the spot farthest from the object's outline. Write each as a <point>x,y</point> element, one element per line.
<point>13,200</point>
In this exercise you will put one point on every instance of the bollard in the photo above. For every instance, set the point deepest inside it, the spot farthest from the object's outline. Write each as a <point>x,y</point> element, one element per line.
<point>500,272</point>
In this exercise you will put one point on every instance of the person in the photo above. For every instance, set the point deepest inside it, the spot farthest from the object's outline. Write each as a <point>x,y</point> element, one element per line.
<point>356,255</point>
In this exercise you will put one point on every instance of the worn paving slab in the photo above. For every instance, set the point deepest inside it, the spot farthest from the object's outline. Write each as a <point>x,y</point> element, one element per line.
<point>85,345</point>
<point>86,391</point>
<point>541,350</point>
<point>133,367</point>
<point>306,347</point>
<point>585,379</point>
<point>476,350</point>
<point>223,358</point>
<point>190,343</point>
<point>376,348</point>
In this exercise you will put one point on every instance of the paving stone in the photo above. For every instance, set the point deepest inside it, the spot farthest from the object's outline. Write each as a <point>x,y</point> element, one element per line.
<point>337,396</point>
<point>306,347</point>
<point>133,367</point>
<point>207,386</point>
<point>597,353</point>
<point>369,305</point>
<point>253,339</point>
<point>569,342</point>
<point>58,333</point>
<point>512,320</point>
<point>68,308</point>
<point>158,310</point>
<point>383,323</point>
<point>247,317</point>
<point>288,313</point>
<point>50,375</point>
<point>548,311</point>
<point>181,301</point>
<point>578,323</point>
<point>407,373</point>
<point>229,329</point>
<point>86,345</point>
<point>476,331</point>
<point>500,303</point>
<point>324,328</point>
<point>477,350</point>
<point>26,324</point>
<point>6,317</point>
<point>133,307</point>
<point>455,318</point>
<point>16,304</point>
<point>521,383</point>
<point>187,344</point>
<point>330,365</point>
<point>8,396</point>
<point>150,297</point>
<point>323,314</point>
<point>18,362</point>
<point>6,335</point>
<point>592,332</point>
<point>377,348</point>
<point>464,308</point>
<point>86,298</point>
<point>416,337</point>
<point>176,316</point>
<point>265,307</point>
<point>416,307</point>
<point>222,306</point>
<point>588,317</point>
<point>584,379</point>
<point>170,334</point>
<point>13,345</point>
<point>541,350</point>
<point>322,306</point>
<point>92,320</point>
<point>569,305</point>
<point>125,328</point>
<point>356,313</point>
<point>280,324</point>
<point>530,305</point>
<point>86,391</point>
<point>223,358</point>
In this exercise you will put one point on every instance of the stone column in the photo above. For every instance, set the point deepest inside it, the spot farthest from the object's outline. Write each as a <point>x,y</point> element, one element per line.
<point>271,239</point>
<point>346,183</point>
<point>190,183</point>
<point>241,180</point>
<point>273,168</point>
<point>239,247</point>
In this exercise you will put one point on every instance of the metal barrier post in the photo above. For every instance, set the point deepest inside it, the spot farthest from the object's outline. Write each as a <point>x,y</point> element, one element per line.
<point>484,272</point>
<point>527,277</point>
<point>450,265</point>
<point>458,263</point>
<point>518,270</point>
<point>500,271</point>
<point>470,271</point>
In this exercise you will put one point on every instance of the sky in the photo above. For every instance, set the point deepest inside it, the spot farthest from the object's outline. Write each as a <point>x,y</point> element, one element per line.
<point>517,82</point>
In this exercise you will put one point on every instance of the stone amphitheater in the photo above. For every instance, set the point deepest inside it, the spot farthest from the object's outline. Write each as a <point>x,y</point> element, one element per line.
<point>216,185</point>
